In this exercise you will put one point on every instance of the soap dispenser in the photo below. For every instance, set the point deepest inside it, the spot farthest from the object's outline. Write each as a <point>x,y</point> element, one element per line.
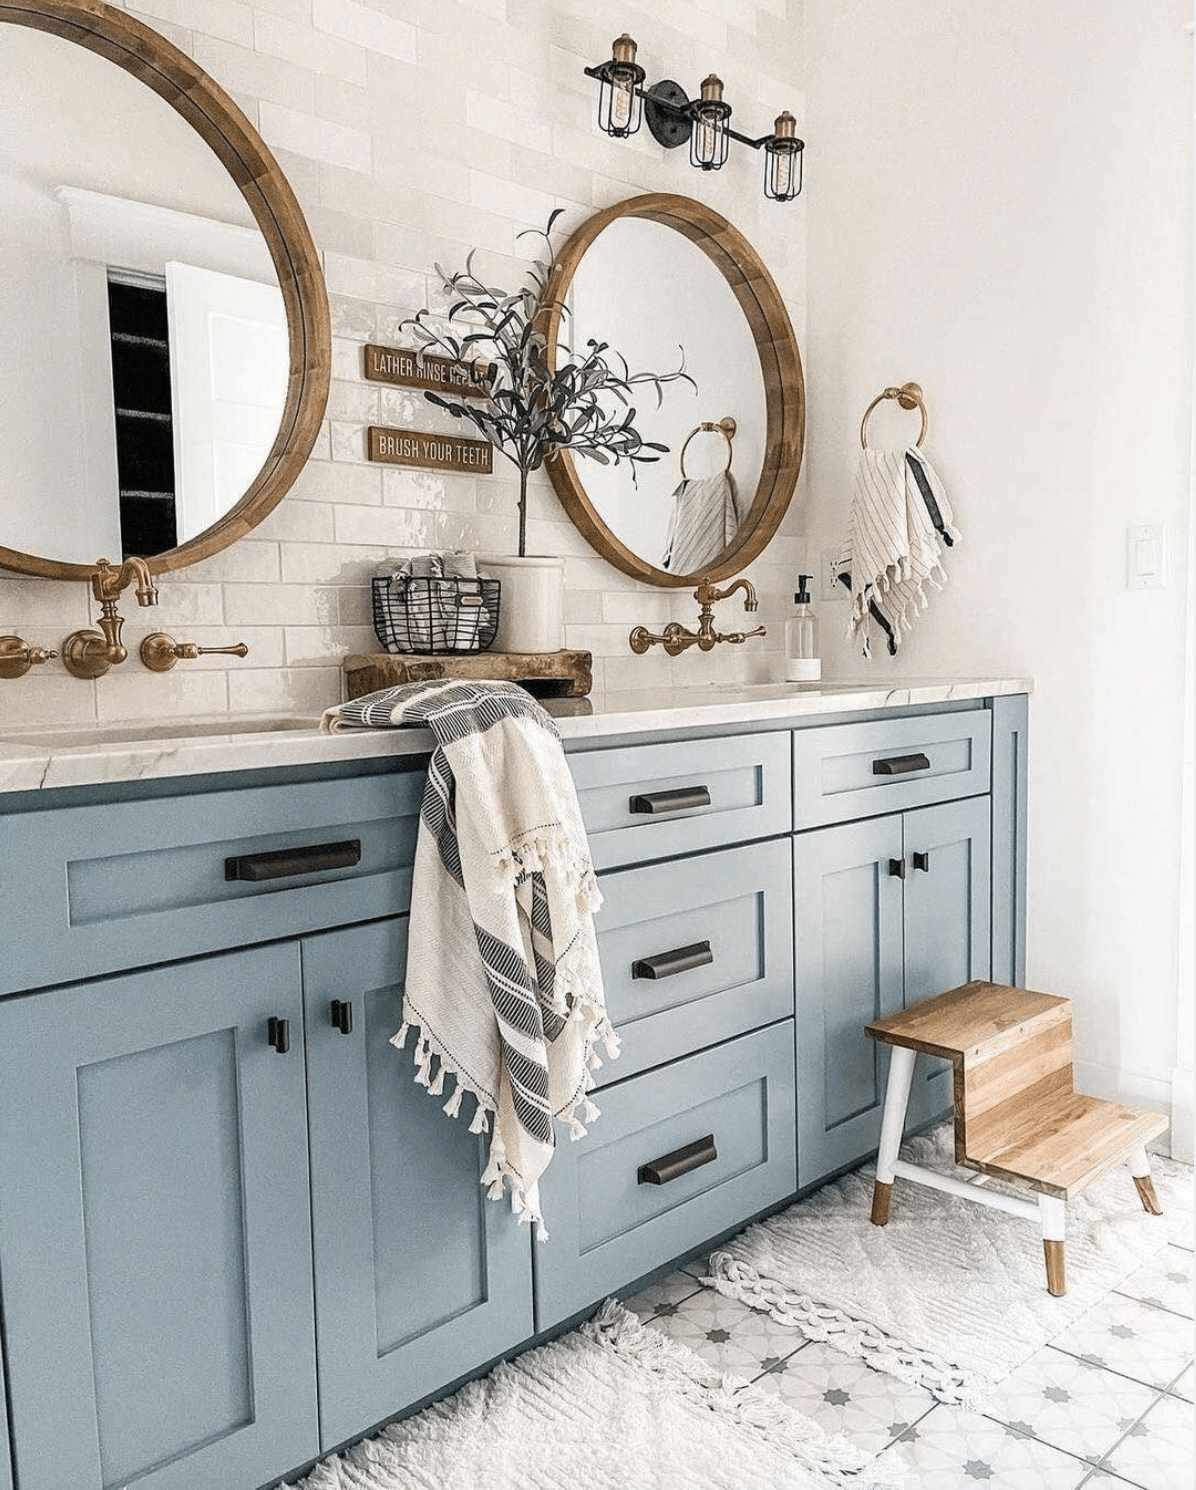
<point>802,662</point>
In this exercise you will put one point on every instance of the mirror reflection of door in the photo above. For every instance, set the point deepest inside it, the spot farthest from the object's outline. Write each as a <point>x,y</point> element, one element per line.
<point>228,373</point>
<point>94,222</point>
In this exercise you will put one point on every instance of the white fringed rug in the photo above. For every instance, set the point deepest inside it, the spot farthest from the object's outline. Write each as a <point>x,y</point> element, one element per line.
<point>950,1296</point>
<point>612,1405</point>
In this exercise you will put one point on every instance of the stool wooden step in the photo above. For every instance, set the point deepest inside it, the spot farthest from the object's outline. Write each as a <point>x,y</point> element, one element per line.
<point>1060,1144</point>
<point>1017,1114</point>
<point>979,1020</point>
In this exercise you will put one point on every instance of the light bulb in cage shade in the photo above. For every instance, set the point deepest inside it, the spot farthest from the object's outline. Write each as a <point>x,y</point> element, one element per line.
<point>783,160</point>
<point>620,107</point>
<point>709,140</point>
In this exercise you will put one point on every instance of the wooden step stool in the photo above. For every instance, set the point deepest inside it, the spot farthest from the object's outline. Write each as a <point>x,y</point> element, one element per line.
<point>1017,1116</point>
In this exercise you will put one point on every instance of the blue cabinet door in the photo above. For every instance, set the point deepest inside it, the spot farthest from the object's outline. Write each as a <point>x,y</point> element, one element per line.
<point>155,1249</point>
<point>848,963</point>
<point>419,1277</point>
<point>948,917</point>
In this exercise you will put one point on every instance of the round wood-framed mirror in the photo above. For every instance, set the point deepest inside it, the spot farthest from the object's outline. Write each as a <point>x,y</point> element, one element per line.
<point>676,266</point>
<point>303,345</point>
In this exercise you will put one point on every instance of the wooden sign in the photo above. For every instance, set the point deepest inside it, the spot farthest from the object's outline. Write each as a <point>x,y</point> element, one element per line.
<point>402,367</point>
<point>419,447</point>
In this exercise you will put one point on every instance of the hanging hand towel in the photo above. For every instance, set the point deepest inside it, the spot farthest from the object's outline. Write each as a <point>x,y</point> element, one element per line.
<point>503,981</point>
<point>705,519</point>
<point>900,523</point>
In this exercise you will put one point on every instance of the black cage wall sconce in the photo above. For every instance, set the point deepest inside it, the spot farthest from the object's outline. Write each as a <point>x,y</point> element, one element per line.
<point>675,119</point>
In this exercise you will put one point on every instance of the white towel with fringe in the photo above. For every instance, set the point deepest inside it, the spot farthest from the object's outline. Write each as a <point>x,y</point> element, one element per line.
<point>900,524</point>
<point>503,982</point>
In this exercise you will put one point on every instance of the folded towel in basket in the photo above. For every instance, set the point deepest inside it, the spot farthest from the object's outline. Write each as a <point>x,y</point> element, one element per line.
<point>503,981</point>
<point>900,523</point>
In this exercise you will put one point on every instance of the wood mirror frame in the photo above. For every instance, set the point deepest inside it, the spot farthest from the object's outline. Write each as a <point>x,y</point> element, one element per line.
<point>780,366</point>
<point>184,85</point>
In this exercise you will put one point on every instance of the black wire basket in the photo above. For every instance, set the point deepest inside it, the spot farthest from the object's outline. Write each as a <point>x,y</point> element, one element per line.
<point>436,617</point>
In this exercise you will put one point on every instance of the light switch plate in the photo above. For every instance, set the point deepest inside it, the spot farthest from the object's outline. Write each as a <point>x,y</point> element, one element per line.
<point>1146,557</point>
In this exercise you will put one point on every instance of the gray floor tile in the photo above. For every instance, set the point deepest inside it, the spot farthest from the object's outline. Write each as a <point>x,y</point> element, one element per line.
<point>728,1334</point>
<point>843,1395</point>
<point>1182,1385</point>
<point>1069,1403</point>
<point>662,1298</point>
<point>1166,1281</point>
<point>953,1449</point>
<point>1132,1338</point>
<point>1157,1453</point>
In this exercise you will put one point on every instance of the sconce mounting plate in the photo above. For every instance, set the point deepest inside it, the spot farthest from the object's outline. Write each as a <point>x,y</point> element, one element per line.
<point>669,128</point>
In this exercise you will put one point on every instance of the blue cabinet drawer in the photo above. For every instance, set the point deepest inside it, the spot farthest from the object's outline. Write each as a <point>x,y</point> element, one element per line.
<point>677,1156</point>
<point>847,771</point>
<point>695,951</point>
<point>105,888</point>
<point>651,801</point>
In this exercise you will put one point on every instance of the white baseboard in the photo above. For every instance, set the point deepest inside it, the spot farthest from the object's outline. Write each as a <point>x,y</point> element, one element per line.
<point>1117,1085</point>
<point>1181,1114</point>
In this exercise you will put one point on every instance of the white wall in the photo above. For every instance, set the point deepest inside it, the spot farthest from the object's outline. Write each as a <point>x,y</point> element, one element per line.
<point>412,130</point>
<point>1000,208</point>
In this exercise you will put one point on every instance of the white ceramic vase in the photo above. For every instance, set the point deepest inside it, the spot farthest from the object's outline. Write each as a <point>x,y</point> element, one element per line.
<point>531,611</point>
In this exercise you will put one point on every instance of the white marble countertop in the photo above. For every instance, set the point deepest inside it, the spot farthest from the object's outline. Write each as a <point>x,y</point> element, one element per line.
<point>33,758</point>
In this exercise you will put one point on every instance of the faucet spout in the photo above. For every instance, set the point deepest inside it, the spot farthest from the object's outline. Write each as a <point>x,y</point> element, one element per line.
<point>107,584</point>
<point>708,594</point>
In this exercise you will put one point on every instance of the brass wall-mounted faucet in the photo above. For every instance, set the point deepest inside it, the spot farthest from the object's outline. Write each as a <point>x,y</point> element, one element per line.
<point>676,638</point>
<point>89,654</point>
<point>17,656</point>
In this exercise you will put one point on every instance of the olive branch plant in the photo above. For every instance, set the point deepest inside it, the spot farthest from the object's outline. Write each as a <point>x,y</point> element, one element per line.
<point>527,408</point>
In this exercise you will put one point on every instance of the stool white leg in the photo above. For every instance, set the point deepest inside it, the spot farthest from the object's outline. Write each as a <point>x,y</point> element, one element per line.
<point>1139,1167</point>
<point>1052,1213</point>
<point>892,1126</point>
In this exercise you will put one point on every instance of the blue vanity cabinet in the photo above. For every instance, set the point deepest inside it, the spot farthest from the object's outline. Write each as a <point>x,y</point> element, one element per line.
<point>848,938</point>
<point>5,1456</point>
<point>947,923</point>
<point>874,932</point>
<point>155,1246</point>
<point>419,1278</point>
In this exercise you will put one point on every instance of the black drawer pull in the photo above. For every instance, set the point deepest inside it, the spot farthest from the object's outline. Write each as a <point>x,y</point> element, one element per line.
<point>900,765</point>
<point>278,1034</point>
<point>342,1016</point>
<point>283,862</point>
<point>680,1161</point>
<point>897,868</point>
<point>675,801</point>
<point>922,861</point>
<point>679,960</point>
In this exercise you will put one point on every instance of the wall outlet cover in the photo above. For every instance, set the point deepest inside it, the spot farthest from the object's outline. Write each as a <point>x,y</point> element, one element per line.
<point>829,586</point>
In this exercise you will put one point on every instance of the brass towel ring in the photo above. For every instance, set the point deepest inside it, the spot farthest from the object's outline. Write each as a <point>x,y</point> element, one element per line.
<point>725,427</point>
<point>909,396</point>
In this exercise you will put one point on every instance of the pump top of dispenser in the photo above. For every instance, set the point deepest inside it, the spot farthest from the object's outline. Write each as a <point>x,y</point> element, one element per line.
<point>803,595</point>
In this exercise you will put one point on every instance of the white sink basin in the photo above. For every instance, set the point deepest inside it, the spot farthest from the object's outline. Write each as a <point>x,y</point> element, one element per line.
<point>128,732</point>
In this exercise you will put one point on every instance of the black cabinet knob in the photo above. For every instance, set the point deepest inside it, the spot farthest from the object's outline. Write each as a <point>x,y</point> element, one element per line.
<point>342,1016</point>
<point>278,1034</point>
<point>922,861</point>
<point>897,868</point>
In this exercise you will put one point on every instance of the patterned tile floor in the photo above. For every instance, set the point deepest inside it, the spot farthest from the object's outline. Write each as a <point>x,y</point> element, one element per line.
<point>1106,1405</point>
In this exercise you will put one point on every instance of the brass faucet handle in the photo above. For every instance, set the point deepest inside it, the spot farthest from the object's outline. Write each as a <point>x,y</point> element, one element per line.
<point>742,636</point>
<point>160,652</point>
<point>17,656</point>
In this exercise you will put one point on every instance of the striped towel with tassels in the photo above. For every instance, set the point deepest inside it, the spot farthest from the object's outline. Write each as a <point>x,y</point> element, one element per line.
<point>900,524</point>
<point>503,983</point>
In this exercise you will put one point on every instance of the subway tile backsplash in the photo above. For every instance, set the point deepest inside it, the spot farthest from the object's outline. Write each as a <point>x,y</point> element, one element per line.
<point>412,131</point>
